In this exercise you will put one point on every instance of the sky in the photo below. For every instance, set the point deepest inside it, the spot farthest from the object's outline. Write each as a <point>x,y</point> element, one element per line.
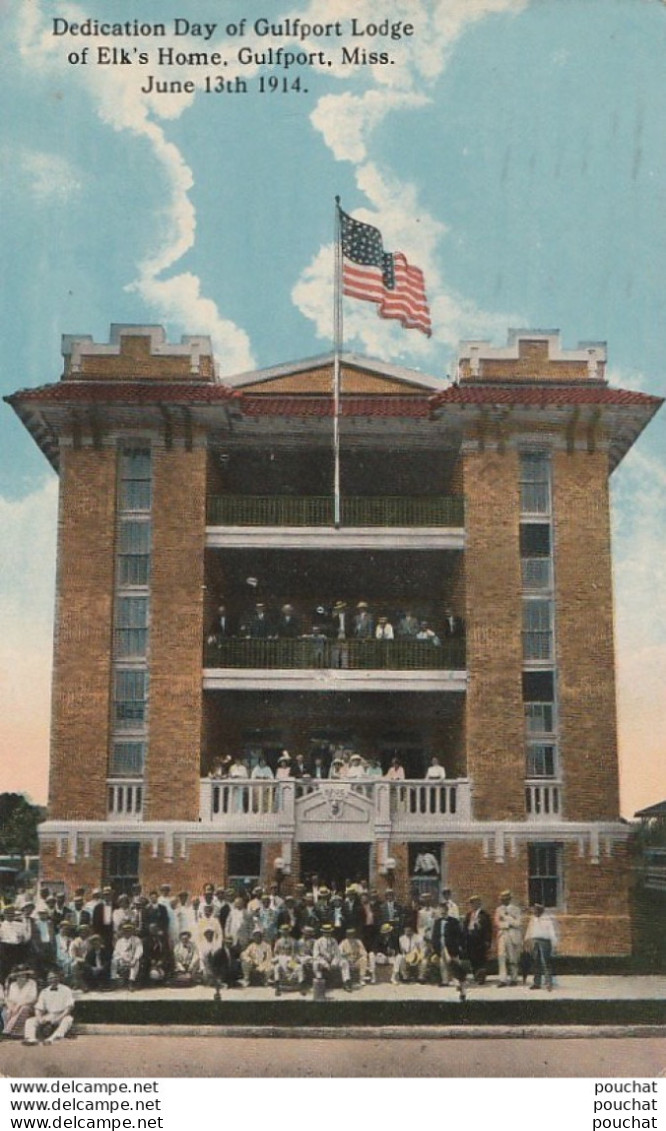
<point>514,150</point>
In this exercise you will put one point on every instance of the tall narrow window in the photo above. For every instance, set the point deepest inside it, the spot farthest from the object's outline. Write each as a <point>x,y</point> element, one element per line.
<point>135,475</point>
<point>534,483</point>
<point>537,629</point>
<point>545,874</point>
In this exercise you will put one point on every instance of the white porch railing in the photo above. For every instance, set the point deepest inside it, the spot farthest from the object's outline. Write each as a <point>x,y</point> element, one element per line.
<point>260,808</point>
<point>543,799</point>
<point>125,798</point>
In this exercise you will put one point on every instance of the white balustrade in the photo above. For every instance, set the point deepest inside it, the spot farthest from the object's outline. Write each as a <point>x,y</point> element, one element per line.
<point>543,799</point>
<point>259,807</point>
<point>125,798</point>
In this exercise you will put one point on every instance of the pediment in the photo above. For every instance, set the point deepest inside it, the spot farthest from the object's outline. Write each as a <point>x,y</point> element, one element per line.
<point>335,804</point>
<point>319,382</point>
<point>314,377</point>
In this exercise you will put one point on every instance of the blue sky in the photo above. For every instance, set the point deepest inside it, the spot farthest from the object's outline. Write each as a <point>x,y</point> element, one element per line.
<point>515,151</point>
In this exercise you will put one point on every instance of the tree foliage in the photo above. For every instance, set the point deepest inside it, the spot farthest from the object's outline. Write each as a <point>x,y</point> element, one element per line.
<point>18,824</point>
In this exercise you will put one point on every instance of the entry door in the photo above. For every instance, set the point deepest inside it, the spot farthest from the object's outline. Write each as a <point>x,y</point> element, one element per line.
<point>336,865</point>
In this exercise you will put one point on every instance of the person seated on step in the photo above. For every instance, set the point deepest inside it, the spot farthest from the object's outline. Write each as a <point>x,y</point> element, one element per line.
<point>97,964</point>
<point>361,964</point>
<point>126,958</point>
<point>411,960</point>
<point>305,951</point>
<point>186,961</point>
<point>257,960</point>
<point>288,969</point>
<point>327,959</point>
<point>54,1013</point>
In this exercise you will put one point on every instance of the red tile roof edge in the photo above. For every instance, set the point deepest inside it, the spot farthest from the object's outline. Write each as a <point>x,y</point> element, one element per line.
<point>546,395</point>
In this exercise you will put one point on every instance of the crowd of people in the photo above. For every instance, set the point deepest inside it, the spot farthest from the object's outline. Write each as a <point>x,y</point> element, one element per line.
<point>338,764</point>
<point>339,621</point>
<point>52,946</point>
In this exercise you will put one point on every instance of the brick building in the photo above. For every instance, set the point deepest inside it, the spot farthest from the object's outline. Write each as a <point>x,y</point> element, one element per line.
<point>479,509</point>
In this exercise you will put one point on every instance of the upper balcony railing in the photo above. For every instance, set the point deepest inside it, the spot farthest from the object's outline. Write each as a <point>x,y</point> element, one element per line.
<point>353,807</point>
<point>358,511</point>
<point>354,655</point>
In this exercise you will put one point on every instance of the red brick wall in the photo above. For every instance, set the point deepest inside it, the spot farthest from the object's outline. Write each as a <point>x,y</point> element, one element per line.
<point>494,723</point>
<point>82,655</point>
<point>584,632</point>
<point>176,635</point>
<point>86,872</point>
<point>203,864</point>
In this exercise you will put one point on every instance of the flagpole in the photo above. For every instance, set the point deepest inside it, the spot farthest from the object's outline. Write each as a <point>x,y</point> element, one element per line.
<point>337,349</point>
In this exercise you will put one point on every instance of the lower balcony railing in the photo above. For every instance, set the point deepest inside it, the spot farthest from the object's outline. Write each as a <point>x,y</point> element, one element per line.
<point>543,799</point>
<point>262,807</point>
<point>125,798</point>
<point>288,510</point>
<point>313,652</point>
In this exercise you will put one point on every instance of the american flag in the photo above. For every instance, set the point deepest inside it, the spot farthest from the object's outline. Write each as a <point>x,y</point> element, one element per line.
<point>384,277</point>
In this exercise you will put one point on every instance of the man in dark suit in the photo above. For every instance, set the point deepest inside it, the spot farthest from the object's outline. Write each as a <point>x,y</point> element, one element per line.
<point>478,937</point>
<point>155,913</point>
<point>258,627</point>
<point>288,626</point>
<point>448,943</point>
<point>220,628</point>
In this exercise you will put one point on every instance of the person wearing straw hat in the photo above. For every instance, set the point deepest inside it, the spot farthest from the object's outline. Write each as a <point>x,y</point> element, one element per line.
<point>411,959</point>
<point>508,927</point>
<point>257,960</point>
<point>126,958</point>
<point>326,957</point>
<point>360,962</point>
<point>364,625</point>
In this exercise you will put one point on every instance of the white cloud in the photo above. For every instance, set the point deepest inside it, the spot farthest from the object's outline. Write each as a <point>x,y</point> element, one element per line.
<point>119,102</point>
<point>347,120</point>
<point>27,579</point>
<point>347,123</point>
<point>180,297</point>
<point>406,226</point>
<point>48,177</point>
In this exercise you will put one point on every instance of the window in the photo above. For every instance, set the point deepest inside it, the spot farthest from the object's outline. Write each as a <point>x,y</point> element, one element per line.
<point>130,698</point>
<point>539,701</point>
<point>121,865</point>
<point>131,626</point>
<point>534,483</point>
<point>537,629</point>
<point>134,553</point>
<point>540,762</point>
<point>135,479</point>
<point>127,759</point>
<point>539,718</point>
<point>243,865</point>
<point>534,540</point>
<point>545,874</point>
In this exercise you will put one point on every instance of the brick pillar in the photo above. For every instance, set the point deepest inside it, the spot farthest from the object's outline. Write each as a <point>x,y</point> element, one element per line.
<point>82,652</point>
<point>584,635</point>
<point>176,635</point>
<point>494,726</point>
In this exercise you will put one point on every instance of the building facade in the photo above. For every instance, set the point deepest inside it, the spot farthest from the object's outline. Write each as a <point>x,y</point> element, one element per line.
<point>209,608</point>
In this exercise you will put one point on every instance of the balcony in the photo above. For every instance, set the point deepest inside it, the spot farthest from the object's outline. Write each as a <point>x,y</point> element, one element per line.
<point>343,665</point>
<point>543,799</point>
<point>297,520</point>
<point>334,809</point>
<point>125,799</point>
<point>286,510</point>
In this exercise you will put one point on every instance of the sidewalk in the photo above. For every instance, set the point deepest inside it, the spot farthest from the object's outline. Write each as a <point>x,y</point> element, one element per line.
<point>576,1002</point>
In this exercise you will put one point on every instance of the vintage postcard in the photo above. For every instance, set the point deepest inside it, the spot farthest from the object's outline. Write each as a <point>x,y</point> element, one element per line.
<point>334,614</point>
